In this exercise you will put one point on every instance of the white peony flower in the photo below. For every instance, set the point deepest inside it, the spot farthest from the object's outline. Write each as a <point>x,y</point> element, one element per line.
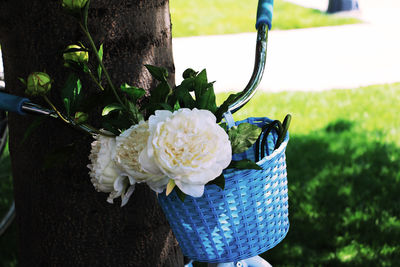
<point>129,144</point>
<point>187,146</point>
<point>106,176</point>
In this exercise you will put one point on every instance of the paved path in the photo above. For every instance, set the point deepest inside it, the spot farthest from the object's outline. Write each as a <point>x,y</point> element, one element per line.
<point>306,59</point>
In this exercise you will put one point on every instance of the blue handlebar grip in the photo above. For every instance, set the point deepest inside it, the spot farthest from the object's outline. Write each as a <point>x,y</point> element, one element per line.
<point>264,13</point>
<point>12,103</point>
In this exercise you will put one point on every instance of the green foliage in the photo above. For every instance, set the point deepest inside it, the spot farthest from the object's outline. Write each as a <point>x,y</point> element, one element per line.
<point>244,164</point>
<point>110,108</point>
<point>243,136</point>
<point>71,93</point>
<point>194,92</point>
<point>99,68</point>
<point>209,17</point>
<point>133,92</point>
<point>219,181</point>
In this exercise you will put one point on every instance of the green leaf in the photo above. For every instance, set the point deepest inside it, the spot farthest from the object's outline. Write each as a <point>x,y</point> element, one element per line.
<point>111,108</point>
<point>243,136</point>
<point>99,69</point>
<point>133,92</point>
<point>170,186</point>
<point>80,117</point>
<point>71,93</point>
<point>224,107</point>
<point>224,126</point>
<point>200,84</point>
<point>177,106</point>
<point>219,181</point>
<point>244,164</point>
<point>180,194</point>
<point>22,80</point>
<point>284,130</point>
<point>152,107</point>
<point>166,106</point>
<point>207,100</point>
<point>184,98</point>
<point>188,83</point>
<point>158,73</point>
<point>160,93</point>
<point>134,111</point>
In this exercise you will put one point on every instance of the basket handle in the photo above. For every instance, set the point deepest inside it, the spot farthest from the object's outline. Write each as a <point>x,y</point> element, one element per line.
<point>12,103</point>
<point>264,13</point>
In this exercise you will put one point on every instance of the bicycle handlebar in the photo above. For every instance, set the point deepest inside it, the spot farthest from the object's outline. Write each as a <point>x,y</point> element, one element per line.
<point>264,13</point>
<point>12,103</point>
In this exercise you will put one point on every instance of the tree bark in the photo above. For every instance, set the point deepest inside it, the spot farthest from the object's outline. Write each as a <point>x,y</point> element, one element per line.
<point>62,220</point>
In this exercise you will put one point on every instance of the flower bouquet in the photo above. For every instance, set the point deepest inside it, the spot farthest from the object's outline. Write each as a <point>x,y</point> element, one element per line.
<point>221,184</point>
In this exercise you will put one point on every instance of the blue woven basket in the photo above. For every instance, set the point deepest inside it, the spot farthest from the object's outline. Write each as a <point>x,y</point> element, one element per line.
<point>247,218</point>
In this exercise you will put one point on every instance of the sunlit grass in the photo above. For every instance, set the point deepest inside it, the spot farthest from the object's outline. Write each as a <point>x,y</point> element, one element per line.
<point>373,110</point>
<point>209,17</point>
<point>343,162</point>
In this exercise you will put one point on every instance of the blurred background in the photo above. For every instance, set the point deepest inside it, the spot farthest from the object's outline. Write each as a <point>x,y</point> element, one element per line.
<point>335,66</point>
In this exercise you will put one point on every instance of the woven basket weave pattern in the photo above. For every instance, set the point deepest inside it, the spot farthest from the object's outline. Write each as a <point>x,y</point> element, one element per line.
<point>247,218</point>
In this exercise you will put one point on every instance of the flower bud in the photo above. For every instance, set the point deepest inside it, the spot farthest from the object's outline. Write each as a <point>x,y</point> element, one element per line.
<point>189,73</point>
<point>38,83</point>
<point>75,55</point>
<point>74,6</point>
<point>80,117</point>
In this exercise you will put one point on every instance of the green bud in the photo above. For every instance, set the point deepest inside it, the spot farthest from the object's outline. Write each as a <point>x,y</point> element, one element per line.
<point>189,73</point>
<point>80,117</point>
<point>74,7</point>
<point>38,83</point>
<point>78,55</point>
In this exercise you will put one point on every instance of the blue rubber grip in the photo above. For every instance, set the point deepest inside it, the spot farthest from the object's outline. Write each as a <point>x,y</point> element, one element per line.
<point>264,13</point>
<point>12,103</point>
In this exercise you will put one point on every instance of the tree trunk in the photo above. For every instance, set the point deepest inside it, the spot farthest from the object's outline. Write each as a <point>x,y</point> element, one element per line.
<point>62,220</point>
<point>342,5</point>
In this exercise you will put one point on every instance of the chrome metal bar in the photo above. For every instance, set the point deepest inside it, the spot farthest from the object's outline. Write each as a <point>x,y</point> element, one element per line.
<point>259,66</point>
<point>32,108</point>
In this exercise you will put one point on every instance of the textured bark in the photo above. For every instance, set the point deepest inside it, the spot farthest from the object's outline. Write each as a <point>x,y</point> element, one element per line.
<point>62,220</point>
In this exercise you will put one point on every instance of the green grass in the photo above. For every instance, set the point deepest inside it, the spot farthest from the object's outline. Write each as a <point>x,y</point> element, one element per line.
<point>210,17</point>
<point>343,163</point>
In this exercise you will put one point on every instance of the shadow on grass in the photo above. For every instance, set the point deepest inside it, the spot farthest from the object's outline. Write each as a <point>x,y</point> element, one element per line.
<point>344,200</point>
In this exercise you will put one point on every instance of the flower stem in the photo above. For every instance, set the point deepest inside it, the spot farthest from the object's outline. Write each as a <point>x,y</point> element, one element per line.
<point>95,80</point>
<point>84,127</point>
<point>86,31</point>
<point>56,110</point>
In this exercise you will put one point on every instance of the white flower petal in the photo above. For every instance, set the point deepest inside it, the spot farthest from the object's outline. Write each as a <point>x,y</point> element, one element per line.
<point>193,190</point>
<point>148,164</point>
<point>125,197</point>
<point>159,116</point>
<point>187,146</point>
